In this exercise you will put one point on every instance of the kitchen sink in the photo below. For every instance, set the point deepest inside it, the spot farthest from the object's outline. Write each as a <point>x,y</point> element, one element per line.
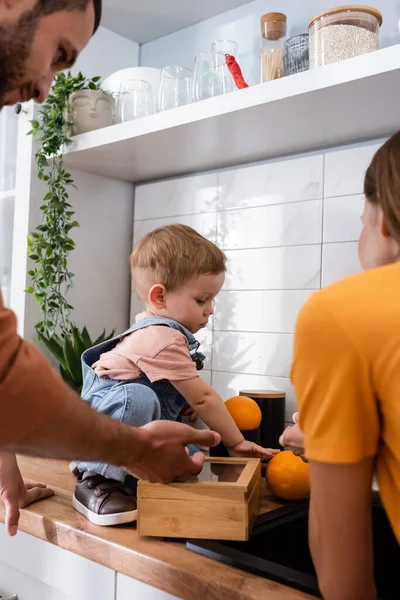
<point>278,550</point>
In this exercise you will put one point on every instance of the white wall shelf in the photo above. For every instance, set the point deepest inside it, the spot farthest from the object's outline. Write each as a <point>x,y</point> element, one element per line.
<point>346,102</point>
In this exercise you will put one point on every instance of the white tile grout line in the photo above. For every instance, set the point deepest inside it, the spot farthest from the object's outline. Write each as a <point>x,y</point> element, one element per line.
<point>278,246</point>
<point>322,218</point>
<point>240,208</point>
<point>244,331</point>
<point>213,321</point>
<point>231,209</point>
<point>236,291</point>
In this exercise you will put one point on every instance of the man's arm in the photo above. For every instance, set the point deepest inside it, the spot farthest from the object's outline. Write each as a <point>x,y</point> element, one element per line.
<point>340,530</point>
<point>41,416</point>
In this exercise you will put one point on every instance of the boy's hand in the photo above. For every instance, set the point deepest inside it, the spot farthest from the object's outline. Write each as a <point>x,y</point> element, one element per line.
<point>252,450</point>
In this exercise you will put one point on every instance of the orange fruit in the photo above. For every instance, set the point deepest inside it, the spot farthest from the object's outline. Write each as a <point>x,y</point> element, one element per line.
<point>287,476</point>
<point>245,412</point>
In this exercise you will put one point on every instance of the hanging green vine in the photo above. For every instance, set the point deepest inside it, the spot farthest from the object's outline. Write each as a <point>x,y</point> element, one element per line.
<point>50,244</point>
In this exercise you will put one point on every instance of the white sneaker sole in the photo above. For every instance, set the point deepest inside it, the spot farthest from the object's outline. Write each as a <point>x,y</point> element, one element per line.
<point>104,520</point>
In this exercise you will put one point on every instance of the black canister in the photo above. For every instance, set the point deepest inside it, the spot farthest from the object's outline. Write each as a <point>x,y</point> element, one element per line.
<point>297,54</point>
<point>272,405</point>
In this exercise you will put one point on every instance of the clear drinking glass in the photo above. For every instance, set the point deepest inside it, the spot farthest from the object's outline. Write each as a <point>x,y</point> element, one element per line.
<point>211,76</point>
<point>135,100</point>
<point>175,88</point>
<point>225,46</point>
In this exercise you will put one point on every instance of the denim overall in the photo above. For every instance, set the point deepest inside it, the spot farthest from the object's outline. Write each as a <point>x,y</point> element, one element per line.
<point>134,402</point>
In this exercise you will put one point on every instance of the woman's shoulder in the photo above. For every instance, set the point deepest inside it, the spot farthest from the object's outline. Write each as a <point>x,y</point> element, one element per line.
<point>371,294</point>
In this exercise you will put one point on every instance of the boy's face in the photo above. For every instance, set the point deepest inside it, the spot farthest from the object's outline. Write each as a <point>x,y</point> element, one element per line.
<point>191,304</point>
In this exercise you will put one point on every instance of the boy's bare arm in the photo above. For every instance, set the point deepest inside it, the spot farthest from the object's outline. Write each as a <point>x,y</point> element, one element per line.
<point>211,408</point>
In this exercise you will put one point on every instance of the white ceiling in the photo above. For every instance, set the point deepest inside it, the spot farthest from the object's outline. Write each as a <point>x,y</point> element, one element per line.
<point>146,20</point>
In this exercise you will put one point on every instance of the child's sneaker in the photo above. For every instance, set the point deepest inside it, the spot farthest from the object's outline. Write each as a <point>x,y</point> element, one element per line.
<point>73,467</point>
<point>103,501</point>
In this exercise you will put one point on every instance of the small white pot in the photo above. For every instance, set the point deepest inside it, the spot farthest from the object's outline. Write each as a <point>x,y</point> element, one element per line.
<point>90,110</point>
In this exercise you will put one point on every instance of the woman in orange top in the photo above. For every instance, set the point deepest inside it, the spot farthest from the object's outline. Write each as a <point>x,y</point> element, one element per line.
<point>346,375</point>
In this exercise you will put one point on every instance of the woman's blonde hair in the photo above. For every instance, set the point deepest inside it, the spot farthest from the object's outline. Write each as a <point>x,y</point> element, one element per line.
<point>382,183</point>
<point>171,255</point>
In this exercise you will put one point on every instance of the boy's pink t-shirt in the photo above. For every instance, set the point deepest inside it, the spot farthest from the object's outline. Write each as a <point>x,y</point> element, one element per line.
<point>159,352</point>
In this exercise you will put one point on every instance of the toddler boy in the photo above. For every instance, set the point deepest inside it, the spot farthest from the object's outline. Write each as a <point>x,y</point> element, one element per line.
<point>151,371</point>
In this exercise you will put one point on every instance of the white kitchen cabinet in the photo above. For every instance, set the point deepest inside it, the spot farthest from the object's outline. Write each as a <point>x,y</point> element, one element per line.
<point>37,570</point>
<point>131,589</point>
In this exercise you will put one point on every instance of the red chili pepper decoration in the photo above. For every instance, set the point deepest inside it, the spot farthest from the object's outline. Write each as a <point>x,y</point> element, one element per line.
<point>236,72</point>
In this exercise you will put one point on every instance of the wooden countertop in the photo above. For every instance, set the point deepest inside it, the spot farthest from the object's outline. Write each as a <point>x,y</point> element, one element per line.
<point>167,566</point>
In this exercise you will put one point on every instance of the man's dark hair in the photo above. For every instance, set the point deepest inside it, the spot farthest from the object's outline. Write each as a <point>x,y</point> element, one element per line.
<point>48,7</point>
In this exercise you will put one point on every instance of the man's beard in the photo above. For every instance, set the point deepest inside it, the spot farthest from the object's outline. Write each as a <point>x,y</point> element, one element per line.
<point>15,44</point>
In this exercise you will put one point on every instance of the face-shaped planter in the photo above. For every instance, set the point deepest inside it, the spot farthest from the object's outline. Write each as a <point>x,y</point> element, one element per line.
<point>90,110</point>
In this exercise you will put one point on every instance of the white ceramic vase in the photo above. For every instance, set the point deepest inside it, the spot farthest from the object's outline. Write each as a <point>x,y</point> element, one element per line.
<point>90,110</point>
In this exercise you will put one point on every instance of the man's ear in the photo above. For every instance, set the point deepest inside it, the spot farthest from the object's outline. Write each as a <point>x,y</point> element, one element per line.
<point>157,296</point>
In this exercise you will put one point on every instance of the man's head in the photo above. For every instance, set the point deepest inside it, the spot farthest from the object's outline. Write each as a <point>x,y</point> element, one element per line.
<point>38,38</point>
<point>177,274</point>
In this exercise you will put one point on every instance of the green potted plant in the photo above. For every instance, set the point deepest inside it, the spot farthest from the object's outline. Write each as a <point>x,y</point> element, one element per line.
<point>50,244</point>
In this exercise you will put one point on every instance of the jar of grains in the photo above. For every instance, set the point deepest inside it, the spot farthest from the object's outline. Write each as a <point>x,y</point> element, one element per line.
<point>343,32</point>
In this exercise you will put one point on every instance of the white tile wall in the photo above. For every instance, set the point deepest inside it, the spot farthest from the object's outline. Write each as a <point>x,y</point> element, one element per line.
<point>204,223</point>
<point>288,227</point>
<point>260,310</point>
<point>342,218</point>
<point>284,268</point>
<point>291,224</point>
<point>274,182</point>
<point>175,197</point>
<point>252,353</point>
<point>338,261</point>
<point>345,169</point>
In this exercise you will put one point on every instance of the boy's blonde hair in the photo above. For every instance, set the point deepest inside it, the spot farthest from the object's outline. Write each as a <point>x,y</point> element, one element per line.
<point>171,255</point>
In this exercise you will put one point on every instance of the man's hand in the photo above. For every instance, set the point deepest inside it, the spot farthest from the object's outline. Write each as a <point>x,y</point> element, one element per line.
<point>163,455</point>
<point>293,438</point>
<point>15,493</point>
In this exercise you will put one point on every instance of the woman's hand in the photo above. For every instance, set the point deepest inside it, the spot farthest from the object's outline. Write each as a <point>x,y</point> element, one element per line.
<point>293,438</point>
<point>252,450</point>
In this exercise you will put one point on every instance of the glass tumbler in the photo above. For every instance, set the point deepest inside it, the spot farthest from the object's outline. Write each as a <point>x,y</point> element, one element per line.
<point>135,100</point>
<point>225,46</point>
<point>211,76</point>
<point>175,88</point>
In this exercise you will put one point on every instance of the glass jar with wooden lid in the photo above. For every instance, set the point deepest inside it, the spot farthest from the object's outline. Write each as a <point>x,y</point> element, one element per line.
<point>343,32</point>
<point>273,29</point>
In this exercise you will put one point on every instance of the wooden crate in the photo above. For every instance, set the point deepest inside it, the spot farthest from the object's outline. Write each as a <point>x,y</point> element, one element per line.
<point>221,503</point>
